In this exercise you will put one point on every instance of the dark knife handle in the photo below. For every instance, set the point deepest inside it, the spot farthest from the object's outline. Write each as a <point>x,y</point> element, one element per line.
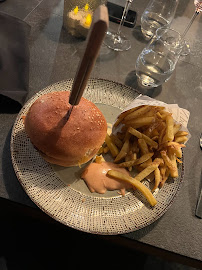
<point>94,40</point>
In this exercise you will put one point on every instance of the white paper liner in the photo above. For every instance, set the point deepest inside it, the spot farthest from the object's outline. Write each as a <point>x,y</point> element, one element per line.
<point>180,115</point>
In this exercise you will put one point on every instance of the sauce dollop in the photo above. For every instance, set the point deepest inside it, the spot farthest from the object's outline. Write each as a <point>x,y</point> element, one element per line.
<point>97,180</point>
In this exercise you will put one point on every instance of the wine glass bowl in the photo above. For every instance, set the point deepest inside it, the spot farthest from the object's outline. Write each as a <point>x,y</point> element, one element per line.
<point>158,13</point>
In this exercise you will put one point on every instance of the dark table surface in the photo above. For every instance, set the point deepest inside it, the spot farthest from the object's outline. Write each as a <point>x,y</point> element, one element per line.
<point>54,56</point>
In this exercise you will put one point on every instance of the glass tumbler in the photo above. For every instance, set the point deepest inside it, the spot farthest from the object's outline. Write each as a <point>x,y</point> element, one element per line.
<point>158,59</point>
<point>157,14</point>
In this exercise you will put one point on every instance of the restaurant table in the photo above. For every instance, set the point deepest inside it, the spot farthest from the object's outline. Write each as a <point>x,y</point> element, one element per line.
<point>54,56</point>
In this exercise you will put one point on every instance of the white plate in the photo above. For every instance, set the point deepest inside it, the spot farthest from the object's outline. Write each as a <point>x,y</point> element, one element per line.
<point>59,191</point>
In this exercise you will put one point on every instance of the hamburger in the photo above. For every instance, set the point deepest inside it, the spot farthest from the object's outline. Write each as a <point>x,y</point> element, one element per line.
<point>60,141</point>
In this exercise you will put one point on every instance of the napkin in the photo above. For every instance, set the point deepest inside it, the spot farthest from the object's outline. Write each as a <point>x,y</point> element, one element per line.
<point>14,62</point>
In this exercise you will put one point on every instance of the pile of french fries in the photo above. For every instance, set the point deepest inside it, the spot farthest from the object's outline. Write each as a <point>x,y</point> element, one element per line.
<point>148,141</point>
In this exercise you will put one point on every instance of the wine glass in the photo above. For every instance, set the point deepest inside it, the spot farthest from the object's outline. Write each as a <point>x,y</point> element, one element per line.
<point>116,40</point>
<point>198,10</point>
<point>158,13</point>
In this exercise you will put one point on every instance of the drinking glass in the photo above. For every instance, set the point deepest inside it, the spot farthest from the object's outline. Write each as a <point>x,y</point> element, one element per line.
<point>157,61</point>
<point>116,40</point>
<point>158,13</point>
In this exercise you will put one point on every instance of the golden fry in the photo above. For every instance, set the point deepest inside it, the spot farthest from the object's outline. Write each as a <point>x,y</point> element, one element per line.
<point>139,112</point>
<point>123,152</point>
<point>161,135</point>
<point>169,136</point>
<point>140,122</point>
<point>140,135</point>
<point>176,144</point>
<point>127,164</point>
<point>141,187</point>
<point>165,178</point>
<point>143,174</point>
<point>155,128</point>
<point>122,115</point>
<point>159,115</point>
<point>131,156</point>
<point>172,156</point>
<point>170,164</point>
<point>164,114</point>
<point>145,164</point>
<point>144,158</point>
<point>175,148</point>
<point>176,128</point>
<point>157,177</point>
<point>152,111</point>
<point>158,161</point>
<point>181,139</point>
<point>127,136</point>
<point>101,150</point>
<point>99,159</point>
<point>155,138</point>
<point>116,141</point>
<point>112,147</point>
<point>163,170</point>
<point>143,146</point>
<point>181,133</point>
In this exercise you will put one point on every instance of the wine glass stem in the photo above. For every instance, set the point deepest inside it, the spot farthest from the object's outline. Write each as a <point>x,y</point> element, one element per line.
<point>190,23</point>
<point>125,12</point>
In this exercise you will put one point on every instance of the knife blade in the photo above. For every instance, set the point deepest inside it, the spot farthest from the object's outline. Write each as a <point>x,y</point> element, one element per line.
<point>198,212</point>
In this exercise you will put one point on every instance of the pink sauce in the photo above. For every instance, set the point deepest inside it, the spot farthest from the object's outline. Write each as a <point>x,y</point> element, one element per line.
<point>97,180</point>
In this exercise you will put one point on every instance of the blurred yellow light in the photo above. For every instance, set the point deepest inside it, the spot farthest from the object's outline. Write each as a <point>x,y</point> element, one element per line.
<point>86,7</point>
<point>88,20</point>
<point>76,10</point>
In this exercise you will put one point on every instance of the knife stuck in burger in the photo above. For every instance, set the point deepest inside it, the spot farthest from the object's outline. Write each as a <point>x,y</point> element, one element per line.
<point>64,136</point>
<point>94,41</point>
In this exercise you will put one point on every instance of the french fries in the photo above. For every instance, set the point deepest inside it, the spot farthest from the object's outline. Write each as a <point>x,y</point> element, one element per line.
<point>148,141</point>
<point>152,167</point>
<point>171,163</point>
<point>99,159</point>
<point>157,175</point>
<point>112,147</point>
<point>123,152</point>
<point>140,135</point>
<point>127,164</point>
<point>169,136</point>
<point>143,146</point>
<point>138,112</point>
<point>141,187</point>
<point>140,122</point>
<point>143,158</point>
